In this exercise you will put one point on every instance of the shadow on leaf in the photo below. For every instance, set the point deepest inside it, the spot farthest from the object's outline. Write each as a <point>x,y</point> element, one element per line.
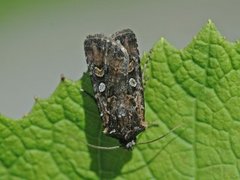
<point>105,163</point>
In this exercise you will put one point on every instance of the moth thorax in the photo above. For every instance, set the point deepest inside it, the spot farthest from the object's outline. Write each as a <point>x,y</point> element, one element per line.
<point>132,82</point>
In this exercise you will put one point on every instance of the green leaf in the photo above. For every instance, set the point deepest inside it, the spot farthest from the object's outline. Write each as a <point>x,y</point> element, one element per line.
<point>197,87</point>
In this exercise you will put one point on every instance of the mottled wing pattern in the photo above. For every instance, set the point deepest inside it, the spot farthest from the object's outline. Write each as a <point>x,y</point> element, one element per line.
<point>115,72</point>
<point>136,120</point>
<point>95,51</point>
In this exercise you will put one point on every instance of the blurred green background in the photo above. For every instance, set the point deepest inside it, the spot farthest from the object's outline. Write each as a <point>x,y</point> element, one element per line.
<point>41,39</point>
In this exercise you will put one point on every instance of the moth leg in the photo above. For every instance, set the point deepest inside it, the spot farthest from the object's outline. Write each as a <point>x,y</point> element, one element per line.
<point>87,93</point>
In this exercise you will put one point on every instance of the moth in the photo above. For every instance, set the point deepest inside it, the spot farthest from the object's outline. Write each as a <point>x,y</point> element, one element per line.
<point>115,72</point>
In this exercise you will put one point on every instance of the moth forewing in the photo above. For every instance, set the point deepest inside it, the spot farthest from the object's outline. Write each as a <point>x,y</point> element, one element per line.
<point>118,100</point>
<point>135,86</point>
<point>95,51</point>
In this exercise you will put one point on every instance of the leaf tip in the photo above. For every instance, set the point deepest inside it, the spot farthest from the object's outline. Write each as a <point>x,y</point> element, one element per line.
<point>162,40</point>
<point>210,21</point>
<point>211,25</point>
<point>62,77</point>
<point>36,98</point>
<point>25,115</point>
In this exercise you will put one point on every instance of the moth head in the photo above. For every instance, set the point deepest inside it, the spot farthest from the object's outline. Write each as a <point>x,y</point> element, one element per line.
<point>129,145</point>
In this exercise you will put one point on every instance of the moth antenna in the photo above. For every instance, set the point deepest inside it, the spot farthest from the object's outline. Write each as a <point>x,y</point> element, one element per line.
<point>161,137</point>
<point>103,147</point>
<point>98,147</point>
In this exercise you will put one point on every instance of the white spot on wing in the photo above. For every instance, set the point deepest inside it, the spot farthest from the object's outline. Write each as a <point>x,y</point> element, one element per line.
<point>101,87</point>
<point>132,82</point>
